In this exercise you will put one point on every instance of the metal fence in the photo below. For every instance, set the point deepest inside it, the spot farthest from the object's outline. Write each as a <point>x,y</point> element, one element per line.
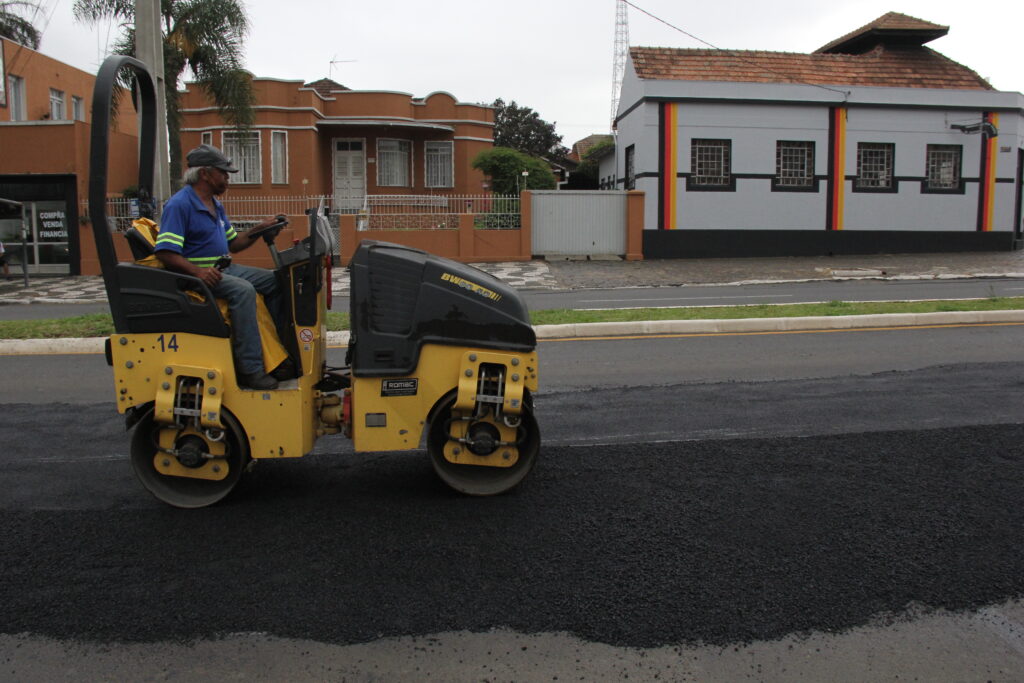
<point>378,212</point>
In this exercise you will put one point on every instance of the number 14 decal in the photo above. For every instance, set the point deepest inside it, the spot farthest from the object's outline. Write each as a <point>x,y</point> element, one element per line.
<point>169,345</point>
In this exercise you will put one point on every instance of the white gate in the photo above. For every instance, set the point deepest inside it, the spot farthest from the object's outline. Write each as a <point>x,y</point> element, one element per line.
<point>579,223</point>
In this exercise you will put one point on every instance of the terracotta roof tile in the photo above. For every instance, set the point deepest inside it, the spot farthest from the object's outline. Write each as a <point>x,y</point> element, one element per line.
<point>892,25</point>
<point>326,86</point>
<point>884,66</point>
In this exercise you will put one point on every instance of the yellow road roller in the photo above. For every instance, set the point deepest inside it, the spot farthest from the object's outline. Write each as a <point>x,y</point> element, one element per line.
<point>441,355</point>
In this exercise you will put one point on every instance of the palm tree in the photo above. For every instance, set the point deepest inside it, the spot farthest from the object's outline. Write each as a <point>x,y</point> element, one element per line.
<point>15,27</point>
<point>204,36</point>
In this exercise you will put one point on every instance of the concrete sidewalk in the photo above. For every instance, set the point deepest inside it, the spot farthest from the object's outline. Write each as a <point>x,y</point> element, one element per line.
<point>558,274</point>
<point>603,274</point>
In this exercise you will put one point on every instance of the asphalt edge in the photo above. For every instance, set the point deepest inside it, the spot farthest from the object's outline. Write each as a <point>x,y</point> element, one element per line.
<point>40,347</point>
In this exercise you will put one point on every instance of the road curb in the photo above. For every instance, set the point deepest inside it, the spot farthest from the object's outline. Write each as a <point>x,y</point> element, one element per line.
<point>40,347</point>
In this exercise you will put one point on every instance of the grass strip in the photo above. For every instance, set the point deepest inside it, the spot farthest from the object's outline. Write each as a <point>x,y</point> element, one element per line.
<point>100,324</point>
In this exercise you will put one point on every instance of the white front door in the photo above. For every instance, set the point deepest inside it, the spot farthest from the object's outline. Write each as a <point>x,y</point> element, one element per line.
<point>349,174</point>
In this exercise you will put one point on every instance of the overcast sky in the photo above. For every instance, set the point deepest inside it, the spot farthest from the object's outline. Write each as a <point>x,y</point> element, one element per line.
<point>552,55</point>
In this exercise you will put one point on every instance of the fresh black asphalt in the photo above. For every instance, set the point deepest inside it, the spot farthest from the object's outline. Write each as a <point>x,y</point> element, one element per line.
<point>714,541</point>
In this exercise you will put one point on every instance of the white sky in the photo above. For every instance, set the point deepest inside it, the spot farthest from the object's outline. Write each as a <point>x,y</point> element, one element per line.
<point>554,56</point>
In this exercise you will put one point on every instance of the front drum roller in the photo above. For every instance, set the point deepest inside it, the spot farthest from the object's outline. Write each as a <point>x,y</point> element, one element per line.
<point>190,479</point>
<point>481,480</point>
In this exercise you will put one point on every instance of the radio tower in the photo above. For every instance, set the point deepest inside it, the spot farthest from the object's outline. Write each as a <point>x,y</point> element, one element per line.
<point>619,55</point>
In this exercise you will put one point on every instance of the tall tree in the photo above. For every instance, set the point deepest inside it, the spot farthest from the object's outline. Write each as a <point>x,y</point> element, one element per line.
<point>14,26</point>
<point>523,129</point>
<point>204,36</point>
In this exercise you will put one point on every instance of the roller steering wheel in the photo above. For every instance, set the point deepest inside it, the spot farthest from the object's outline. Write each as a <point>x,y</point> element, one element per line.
<point>269,232</point>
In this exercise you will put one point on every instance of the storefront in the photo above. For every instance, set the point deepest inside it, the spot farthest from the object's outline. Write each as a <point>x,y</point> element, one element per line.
<point>50,211</point>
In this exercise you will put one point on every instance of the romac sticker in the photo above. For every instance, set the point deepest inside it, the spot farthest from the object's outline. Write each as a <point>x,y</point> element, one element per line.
<point>471,286</point>
<point>399,387</point>
<point>306,335</point>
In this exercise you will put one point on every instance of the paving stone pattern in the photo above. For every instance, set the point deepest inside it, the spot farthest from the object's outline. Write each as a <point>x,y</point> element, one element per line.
<point>90,289</point>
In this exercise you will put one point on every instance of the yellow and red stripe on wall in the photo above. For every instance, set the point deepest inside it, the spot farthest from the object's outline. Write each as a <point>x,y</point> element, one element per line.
<point>836,168</point>
<point>987,189</point>
<point>668,166</point>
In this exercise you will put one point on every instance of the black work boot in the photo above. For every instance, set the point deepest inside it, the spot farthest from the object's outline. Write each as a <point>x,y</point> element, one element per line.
<point>286,370</point>
<point>257,380</point>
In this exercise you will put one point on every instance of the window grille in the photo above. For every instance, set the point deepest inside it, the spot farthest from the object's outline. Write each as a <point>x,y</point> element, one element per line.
<point>77,108</point>
<point>710,162</point>
<point>874,165</point>
<point>631,167</point>
<point>438,160</point>
<point>393,163</point>
<point>16,97</point>
<point>244,151</point>
<point>943,167</point>
<point>279,156</point>
<point>794,163</point>
<point>58,110</point>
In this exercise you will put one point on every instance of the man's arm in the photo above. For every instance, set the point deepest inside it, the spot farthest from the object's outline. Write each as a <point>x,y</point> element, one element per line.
<point>245,240</point>
<point>180,264</point>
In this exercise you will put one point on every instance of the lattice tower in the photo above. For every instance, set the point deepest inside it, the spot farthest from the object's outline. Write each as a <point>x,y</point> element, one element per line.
<point>619,55</point>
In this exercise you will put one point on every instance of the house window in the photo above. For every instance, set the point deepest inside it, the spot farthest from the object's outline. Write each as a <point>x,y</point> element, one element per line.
<point>794,165</point>
<point>393,160</point>
<point>279,156</point>
<point>631,167</point>
<point>942,166</point>
<point>244,151</point>
<point>16,97</point>
<point>77,108</point>
<point>874,166</point>
<point>206,138</point>
<point>710,165</point>
<point>58,109</point>
<point>438,161</point>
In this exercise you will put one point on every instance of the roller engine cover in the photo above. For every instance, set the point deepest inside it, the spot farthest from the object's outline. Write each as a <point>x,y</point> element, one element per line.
<point>402,298</point>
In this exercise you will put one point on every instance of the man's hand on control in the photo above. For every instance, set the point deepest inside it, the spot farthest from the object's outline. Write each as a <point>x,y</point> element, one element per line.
<point>210,276</point>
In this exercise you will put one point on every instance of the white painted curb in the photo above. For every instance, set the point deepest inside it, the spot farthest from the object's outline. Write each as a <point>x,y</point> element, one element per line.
<point>38,347</point>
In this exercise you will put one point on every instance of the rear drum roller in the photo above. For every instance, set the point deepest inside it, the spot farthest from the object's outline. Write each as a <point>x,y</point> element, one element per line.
<point>191,447</point>
<point>479,480</point>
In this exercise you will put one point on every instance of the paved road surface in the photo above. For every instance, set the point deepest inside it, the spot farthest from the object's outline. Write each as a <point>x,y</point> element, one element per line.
<point>835,551</point>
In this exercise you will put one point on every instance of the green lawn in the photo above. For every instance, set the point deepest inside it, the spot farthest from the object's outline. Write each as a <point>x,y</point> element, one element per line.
<point>100,325</point>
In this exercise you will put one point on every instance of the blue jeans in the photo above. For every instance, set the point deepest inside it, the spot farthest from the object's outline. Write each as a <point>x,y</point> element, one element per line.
<point>239,287</point>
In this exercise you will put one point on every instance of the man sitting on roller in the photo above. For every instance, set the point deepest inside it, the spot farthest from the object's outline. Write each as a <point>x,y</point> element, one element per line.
<point>195,233</point>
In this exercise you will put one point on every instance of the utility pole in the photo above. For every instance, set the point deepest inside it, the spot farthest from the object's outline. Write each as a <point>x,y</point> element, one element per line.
<point>149,49</point>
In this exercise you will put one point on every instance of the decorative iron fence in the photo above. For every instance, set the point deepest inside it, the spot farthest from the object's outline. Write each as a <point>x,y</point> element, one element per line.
<point>378,212</point>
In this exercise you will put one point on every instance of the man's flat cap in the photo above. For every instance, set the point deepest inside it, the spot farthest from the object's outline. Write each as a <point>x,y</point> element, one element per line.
<point>208,155</point>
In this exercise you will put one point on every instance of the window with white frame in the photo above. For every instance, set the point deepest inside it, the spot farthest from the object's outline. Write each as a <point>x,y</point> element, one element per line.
<point>393,160</point>
<point>58,107</point>
<point>77,108</point>
<point>279,156</point>
<point>244,151</point>
<point>438,159</point>
<point>942,165</point>
<point>206,138</point>
<point>794,164</point>
<point>874,165</point>
<point>711,163</point>
<point>16,98</point>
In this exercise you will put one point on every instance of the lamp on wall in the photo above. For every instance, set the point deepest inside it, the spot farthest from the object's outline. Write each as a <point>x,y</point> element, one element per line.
<point>984,127</point>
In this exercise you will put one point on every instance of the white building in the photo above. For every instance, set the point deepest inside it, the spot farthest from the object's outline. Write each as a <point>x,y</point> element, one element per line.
<point>873,143</point>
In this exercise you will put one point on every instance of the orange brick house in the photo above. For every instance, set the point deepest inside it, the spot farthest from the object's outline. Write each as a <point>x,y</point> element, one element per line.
<point>45,113</point>
<point>322,138</point>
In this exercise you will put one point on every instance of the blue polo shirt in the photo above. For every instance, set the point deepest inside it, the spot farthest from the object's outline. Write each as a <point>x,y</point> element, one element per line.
<point>187,228</point>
